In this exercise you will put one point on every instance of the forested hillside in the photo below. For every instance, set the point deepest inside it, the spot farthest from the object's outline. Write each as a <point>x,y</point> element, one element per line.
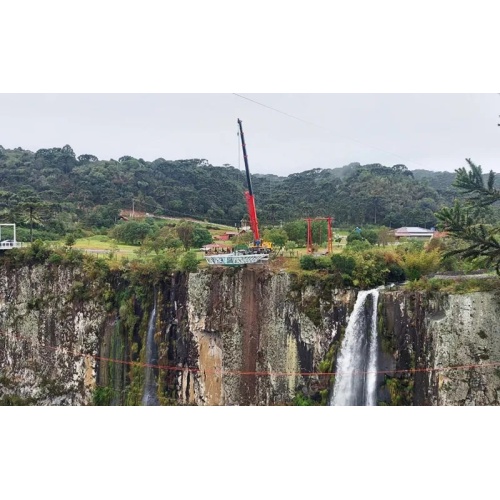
<point>58,191</point>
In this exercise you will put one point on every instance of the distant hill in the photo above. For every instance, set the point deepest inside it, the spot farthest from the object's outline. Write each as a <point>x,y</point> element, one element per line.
<point>68,192</point>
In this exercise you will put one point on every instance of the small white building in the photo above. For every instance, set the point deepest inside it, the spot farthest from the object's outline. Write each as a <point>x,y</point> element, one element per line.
<point>413,232</point>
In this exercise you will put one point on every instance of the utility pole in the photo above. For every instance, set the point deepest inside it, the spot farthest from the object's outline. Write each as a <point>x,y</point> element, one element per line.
<point>133,213</point>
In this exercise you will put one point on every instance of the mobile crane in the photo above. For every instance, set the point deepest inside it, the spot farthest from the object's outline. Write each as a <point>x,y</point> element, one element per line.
<point>258,246</point>
<point>258,252</point>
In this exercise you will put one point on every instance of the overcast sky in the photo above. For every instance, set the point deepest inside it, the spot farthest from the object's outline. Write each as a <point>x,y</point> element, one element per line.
<point>431,131</point>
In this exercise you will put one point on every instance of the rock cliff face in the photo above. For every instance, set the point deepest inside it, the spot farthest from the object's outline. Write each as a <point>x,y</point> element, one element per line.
<point>252,321</point>
<point>232,337</point>
<point>49,336</point>
<point>451,341</point>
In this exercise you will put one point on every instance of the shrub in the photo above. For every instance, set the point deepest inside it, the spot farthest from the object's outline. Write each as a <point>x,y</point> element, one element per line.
<point>290,246</point>
<point>102,396</point>
<point>23,234</point>
<point>201,236</point>
<point>411,246</point>
<point>391,256</point>
<point>396,273</point>
<point>78,291</point>
<point>385,236</point>
<point>38,252</point>
<point>358,245</point>
<point>55,258</point>
<point>354,236</point>
<point>301,400</point>
<point>322,263</point>
<point>370,270</point>
<point>417,264</point>
<point>74,257</point>
<point>371,236</point>
<point>174,243</point>
<point>189,262</point>
<point>131,232</point>
<point>307,262</point>
<point>343,263</point>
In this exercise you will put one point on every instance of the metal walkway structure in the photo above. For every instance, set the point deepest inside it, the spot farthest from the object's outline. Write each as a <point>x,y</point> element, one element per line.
<point>232,259</point>
<point>9,244</point>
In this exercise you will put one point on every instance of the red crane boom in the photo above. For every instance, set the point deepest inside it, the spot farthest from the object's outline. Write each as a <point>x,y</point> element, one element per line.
<point>252,212</point>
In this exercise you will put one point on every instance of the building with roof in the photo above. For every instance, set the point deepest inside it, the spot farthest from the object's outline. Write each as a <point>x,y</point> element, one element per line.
<point>228,235</point>
<point>413,232</point>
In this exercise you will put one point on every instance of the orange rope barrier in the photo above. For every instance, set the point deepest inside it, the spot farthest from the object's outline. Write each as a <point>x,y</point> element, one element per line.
<point>222,372</point>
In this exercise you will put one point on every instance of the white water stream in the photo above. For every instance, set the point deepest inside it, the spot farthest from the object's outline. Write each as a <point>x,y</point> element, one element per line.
<point>356,373</point>
<point>150,397</point>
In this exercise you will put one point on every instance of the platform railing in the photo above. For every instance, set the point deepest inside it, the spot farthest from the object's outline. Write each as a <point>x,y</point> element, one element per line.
<point>7,245</point>
<point>236,259</point>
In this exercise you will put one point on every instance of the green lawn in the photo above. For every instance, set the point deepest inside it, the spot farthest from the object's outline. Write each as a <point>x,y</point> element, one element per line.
<point>101,244</point>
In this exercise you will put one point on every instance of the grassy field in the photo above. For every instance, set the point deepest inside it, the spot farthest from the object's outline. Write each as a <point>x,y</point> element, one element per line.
<point>103,245</point>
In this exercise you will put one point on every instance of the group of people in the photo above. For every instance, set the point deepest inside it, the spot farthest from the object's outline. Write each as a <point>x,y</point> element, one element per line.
<point>210,251</point>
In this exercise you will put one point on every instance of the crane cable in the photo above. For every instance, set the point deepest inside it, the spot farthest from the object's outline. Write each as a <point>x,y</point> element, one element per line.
<point>239,150</point>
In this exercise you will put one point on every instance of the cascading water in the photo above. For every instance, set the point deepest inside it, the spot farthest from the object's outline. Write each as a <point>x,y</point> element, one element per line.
<point>356,373</point>
<point>150,397</point>
<point>116,370</point>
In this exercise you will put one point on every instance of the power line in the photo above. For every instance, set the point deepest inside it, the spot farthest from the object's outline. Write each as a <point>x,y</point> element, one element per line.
<point>328,130</point>
<point>278,111</point>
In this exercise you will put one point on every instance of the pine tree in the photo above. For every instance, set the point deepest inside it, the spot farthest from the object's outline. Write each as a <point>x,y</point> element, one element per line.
<point>470,221</point>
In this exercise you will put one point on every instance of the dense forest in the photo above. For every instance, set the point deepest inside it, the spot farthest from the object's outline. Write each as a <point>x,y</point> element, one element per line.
<point>60,192</point>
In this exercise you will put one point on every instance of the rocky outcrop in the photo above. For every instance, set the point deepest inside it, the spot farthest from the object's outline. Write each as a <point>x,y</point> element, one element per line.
<point>452,342</point>
<point>232,337</point>
<point>254,337</point>
<point>49,336</point>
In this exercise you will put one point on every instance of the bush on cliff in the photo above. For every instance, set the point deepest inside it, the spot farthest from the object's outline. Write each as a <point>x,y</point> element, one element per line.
<point>419,264</point>
<point>189,262</point>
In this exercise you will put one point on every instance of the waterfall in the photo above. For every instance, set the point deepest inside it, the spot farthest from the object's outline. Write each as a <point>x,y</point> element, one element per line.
<point>356,377</point>
<point>150,397</point>
<point>116,370</point>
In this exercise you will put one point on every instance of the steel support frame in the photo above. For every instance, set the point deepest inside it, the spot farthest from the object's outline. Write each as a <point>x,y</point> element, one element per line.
<point>309,233</point>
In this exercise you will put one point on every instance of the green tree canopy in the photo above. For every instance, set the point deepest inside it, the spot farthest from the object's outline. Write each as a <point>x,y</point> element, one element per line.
<point>278,237</point>
<point>354,195</point>
<point>201,237</point>
<point>131,232</point>
<point>185,231</point>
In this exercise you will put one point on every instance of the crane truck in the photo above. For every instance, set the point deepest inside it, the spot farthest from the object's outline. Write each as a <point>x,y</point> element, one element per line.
<point>258,246</point>
<point>259,250</point>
